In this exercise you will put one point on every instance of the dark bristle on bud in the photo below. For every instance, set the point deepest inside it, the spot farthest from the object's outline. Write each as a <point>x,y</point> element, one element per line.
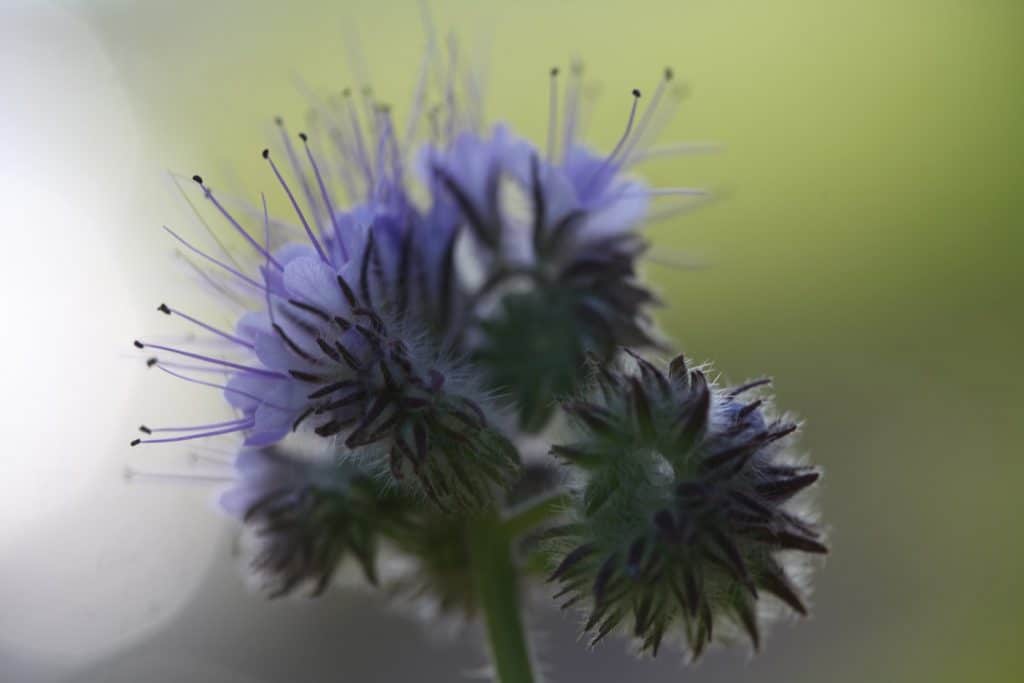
<point>636,92</point>
<point>266,154</point>
<point>198,178</point>
<point>164,309</point>
<point>137,344</point>
<point>716,534</point>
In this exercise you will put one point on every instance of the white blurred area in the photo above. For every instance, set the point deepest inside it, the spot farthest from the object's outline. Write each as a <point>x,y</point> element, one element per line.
<point>88,561</point>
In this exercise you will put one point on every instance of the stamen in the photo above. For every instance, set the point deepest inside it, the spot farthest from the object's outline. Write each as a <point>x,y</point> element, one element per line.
<point>266,242</point>
<point>674,150</point>
<point>216,425</point>
<point>298,421</point>
<point>449,95</point>
<point>357,131</point>
<point>622,141</point>
<point>249,422</point>
<point>198,458</point>
<point>306,377</point>
<point>572,105</point>
<point>208,359</point>
<point>354,397</point>
<point>331,388</point>
<point>310,309</point>
<point>194,250</point>
<point>684,207</point>
<point>235,224</point>
<point>164,308</point>
<point>645,120</point>
<point>295,205</point>
<point>222,387</point>
<point>326,196</point>
<point>328,351</point>
<point>676,192</point>
<point>552,113</point>
<point>188,366</point>
<point>291,344</point>
<point>419,98</point>
<point>202,221</point>
<point>297,170</point>
<point>132,474</point>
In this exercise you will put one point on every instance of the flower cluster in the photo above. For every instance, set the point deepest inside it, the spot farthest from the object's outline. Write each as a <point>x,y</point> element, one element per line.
<point>684,512</point>
<point>418,320</point>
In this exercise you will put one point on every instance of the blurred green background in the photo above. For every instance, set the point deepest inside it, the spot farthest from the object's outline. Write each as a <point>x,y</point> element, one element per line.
<point>868,257</point>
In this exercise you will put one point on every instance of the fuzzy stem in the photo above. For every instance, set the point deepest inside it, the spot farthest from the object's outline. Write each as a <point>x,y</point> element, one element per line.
<point>496,583</point>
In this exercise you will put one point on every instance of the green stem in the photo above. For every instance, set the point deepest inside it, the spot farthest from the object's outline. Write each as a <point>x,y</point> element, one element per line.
<point>496,583</point>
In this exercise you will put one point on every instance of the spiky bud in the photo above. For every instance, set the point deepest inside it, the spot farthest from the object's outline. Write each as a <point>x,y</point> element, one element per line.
<point>685,515</point>
<point>308,517</point>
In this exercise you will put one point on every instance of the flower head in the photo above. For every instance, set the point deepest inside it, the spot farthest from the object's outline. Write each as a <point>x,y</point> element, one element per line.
<point>685,514</point>
<point>308,517</point>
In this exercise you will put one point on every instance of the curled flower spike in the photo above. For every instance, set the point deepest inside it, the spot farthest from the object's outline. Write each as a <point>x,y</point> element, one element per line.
<point>685,515</point>
<point>308,517</point>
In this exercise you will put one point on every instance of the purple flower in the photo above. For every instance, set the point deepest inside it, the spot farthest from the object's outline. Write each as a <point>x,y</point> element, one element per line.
<point>375,328</point>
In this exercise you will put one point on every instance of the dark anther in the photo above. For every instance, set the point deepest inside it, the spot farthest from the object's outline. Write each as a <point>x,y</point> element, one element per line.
<point>278,120</point>
<point>669,74</point>
<point>145,430</point>
<point>636,92</point>
<point>306,413</point>
<point>310,309</point>
<point>348,356</point>
<point>150,362</point>
<point>303,137</point>
<point>305,376</point>
<point>291,344</point>
<point>138,344</point>
<point>554,71</point>
<point>135,442</point>
<point>325,347</point>
<point>163,309</point>
<point>350,296</point>
<point>266,154</point>
<point>331,388</point>
<point>329,429</point>
<point>198,179</point>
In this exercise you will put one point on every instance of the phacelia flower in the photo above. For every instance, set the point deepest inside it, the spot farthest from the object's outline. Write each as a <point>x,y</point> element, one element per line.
<point>685,514</point>
<point>365,326</point>
<point>337,345</point>
<point>557,278</point>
